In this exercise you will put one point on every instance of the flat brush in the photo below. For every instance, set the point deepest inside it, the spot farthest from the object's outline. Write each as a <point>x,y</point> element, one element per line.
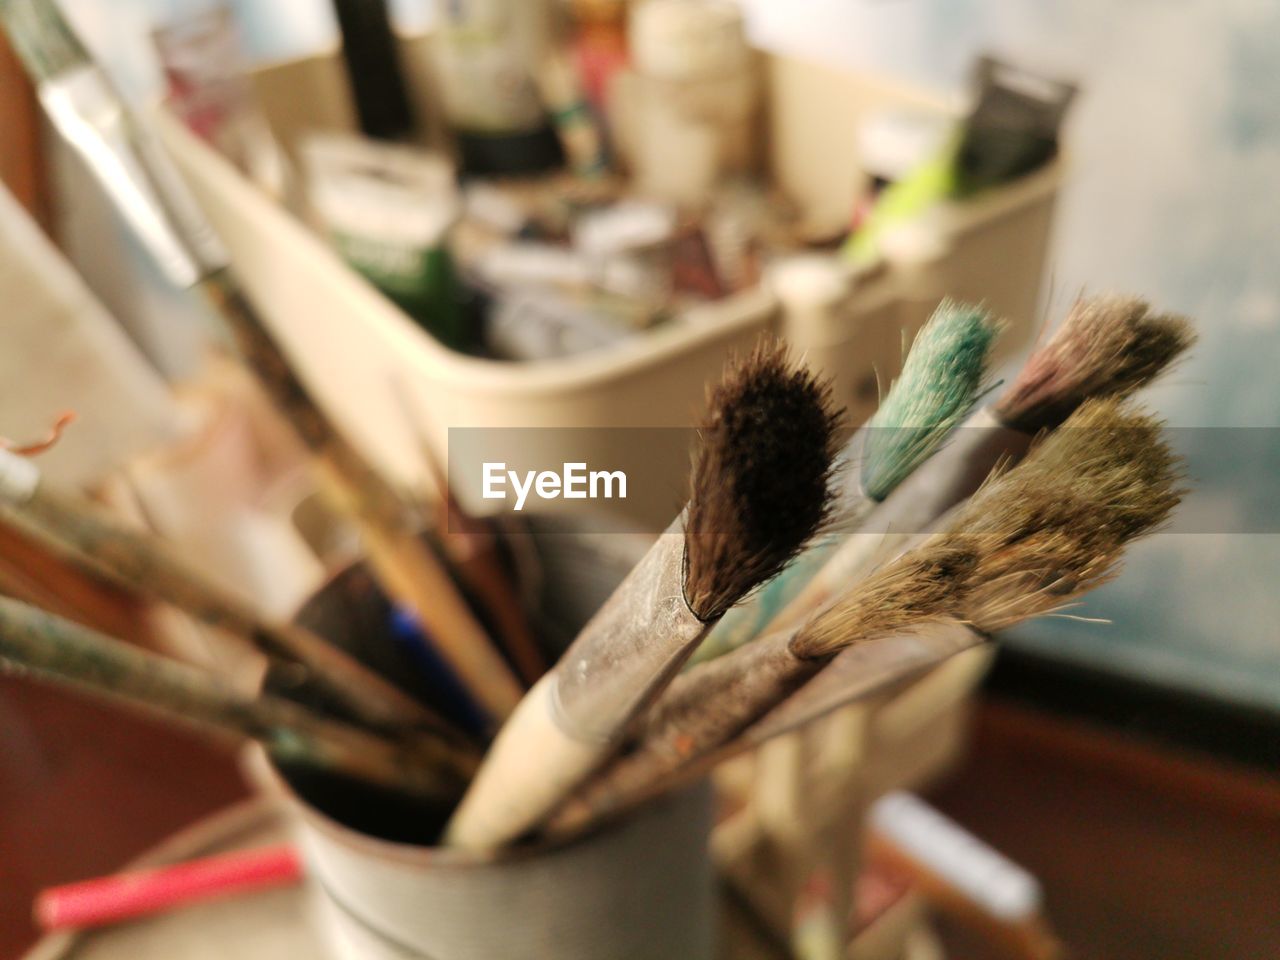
<point>93,118</point>
<point>82,534</point>
<point>760,487</point>
<point>1107,346</point>
<point>36,644</point>
<point>1030,541</point>
<point>942,379</point>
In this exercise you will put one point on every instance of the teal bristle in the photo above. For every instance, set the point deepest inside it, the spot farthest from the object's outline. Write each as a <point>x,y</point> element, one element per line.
<point>42,38</point>
<point>942,379</point>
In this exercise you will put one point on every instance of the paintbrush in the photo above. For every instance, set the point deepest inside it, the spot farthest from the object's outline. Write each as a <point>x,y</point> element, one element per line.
<point>473,552</point>
<point>79,532</point>
<point>1030,541</point>
<point>1107,346</point>
<point>760,489</point>
<point>32,574</point>
<point>38,644</point>
<point>942,379</point>
<point>93,118</point>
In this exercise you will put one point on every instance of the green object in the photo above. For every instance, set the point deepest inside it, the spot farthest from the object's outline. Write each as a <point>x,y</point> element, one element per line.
<point>1011,130</point>
<point>903,201</point>
<point>940,383</point>
<point>421,281</point>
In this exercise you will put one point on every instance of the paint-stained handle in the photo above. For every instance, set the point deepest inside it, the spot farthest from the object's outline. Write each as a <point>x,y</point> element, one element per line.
<point>403,565</point>
<point>47,647</point>
<point>81,533</point>
<point>864,670</point>
<point>574,717</point>
<point>631,649</point>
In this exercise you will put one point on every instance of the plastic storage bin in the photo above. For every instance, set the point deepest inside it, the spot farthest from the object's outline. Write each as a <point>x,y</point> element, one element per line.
<point>363,356</point>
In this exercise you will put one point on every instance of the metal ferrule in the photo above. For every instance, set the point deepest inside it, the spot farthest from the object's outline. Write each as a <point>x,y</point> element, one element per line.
<point>150,195</point>
<point>631,648</point>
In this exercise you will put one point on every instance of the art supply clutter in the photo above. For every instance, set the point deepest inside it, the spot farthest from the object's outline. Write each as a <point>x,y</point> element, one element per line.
<point>612,726</point>
<point>672,130</point>
<point>651,312</point>
<point>444,758</point>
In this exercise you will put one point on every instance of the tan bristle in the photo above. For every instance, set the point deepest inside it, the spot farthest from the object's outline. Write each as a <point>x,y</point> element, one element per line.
<point>761,477</point>
<point>1114,455</point>
<point>1107,346</point>
<point>924,584</point>
<point>1037,575</point>
<point>1057,523</point>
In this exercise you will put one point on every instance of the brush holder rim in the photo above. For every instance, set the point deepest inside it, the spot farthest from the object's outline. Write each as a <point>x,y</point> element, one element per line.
<point>263,772</point>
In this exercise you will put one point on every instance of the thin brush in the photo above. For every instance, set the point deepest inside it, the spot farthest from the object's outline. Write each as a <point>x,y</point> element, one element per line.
<point>1107,346</point>
<point>82,534</point>
<point>1032,540</point>
<point>472,549</point>
<point>760,487</point>
<point>34,643</point>
<point>90,114</point>
<point>942,379</point>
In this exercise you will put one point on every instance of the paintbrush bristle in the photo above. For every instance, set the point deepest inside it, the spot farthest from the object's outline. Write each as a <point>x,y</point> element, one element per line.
<point>942,379</point>
<point>1107,346</point>
<point>760,479</point>
<point>42,37</point>
<point>927,583</point>
<point>1054,527</point>
<point>1114,454</point>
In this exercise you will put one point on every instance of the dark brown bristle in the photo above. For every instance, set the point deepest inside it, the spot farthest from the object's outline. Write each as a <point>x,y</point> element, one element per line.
<point>1107,346</point>
<point>925,584</point>
<point>761,477</point>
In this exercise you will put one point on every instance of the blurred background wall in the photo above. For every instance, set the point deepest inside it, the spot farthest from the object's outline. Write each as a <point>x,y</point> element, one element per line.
<point>1175,148</point>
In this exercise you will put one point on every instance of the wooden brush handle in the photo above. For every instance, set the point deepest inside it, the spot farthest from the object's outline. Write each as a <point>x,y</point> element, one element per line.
<point>48,647</point>
<point>76,530</point>
<point>404,566</point>
<point>700,712</point>
<point>471,547</point>
<point>411,575</point>
<point>484,575</point>
<point>32,573</point>
<point>864,670</point>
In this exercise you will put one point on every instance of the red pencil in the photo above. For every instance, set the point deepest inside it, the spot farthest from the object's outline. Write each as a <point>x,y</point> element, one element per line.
<point>136,893</point>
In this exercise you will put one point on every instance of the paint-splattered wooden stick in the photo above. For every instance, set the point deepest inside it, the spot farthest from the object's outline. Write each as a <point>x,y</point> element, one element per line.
<point>47,647</point>
<point>79,532</point>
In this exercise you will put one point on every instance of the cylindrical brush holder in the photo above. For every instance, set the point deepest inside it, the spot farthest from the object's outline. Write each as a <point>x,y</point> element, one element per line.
<point>636,889</point>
